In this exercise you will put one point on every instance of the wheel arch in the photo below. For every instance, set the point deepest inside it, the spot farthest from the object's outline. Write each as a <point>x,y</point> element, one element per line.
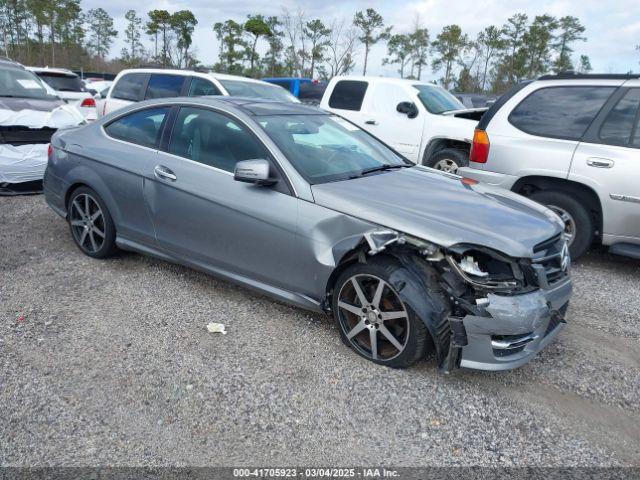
<point>84,177</point>
<point>527,185</point>
<point>441,143</point>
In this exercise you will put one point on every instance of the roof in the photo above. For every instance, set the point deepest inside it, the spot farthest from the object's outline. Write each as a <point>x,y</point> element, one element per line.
<point>590,76</point>
<point>268,107</point>
<point>8,63</point>
<point>174,71</point>
<point>393,80</point>
<point>287,79</point>
<point>58,71</point>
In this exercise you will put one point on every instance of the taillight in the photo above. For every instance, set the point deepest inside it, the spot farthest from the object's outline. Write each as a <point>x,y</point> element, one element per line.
<point>88,102</point>
<point>479,147</point>
<point>49,151</point>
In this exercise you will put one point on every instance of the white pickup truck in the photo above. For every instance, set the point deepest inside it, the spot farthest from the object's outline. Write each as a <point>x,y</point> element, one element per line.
<point>422,121</point>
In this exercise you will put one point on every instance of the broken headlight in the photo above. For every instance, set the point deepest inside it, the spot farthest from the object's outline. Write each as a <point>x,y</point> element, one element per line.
<point>485,268</point>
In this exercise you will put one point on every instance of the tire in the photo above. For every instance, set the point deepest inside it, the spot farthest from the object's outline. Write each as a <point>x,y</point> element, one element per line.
<point>579,225</point>
<point>449,160</point>
<point>357,325</point>
<point>94,232</point>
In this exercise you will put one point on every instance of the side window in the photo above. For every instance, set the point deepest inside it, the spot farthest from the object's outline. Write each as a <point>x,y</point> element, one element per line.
<point>164,86</point>
<point>129,87</point>
<point>201,86</point>
<point>560,112</point>
<point>387,97</point>
<point>142,127</point>
<point>213,139</point>
<point>348,95</point>
<point>617,127</point>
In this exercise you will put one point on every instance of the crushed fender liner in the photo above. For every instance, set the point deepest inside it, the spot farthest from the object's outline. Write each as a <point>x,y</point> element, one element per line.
<point>24,136</point>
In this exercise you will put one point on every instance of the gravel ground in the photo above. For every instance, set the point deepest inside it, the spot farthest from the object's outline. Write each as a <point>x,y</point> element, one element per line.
<point>109,363</point>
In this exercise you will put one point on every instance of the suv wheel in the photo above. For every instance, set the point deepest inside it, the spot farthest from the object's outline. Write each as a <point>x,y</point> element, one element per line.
<point>372,318</point>
<point>449,160</point>
<point>578,222</point>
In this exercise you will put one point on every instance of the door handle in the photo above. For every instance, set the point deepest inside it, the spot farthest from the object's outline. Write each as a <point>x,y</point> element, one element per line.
<point>163,172</point>
<point>599,162</point>
<point>371,122</point>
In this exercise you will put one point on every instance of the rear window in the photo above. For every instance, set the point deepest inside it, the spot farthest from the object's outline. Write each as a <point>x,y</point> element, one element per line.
<point>311,92</point>
<point>560,112</point>
<point>200,87</point>
<point>129,87</point>
<point>142,127</point>
<point>62,82</point>
<point>164,86</point>
<point>348,95</point>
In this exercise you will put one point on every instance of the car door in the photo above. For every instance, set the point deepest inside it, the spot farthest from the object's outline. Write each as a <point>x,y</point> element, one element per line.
<point>121,157</point>
<point>608,160</point>
<point>383,120</point>
<point>202,214</point>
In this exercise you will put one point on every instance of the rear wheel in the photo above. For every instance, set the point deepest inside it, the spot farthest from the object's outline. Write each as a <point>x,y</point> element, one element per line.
<point>90,222</point>
<point>372,318</point>
<point>578,223</point>
<point>449,160</point>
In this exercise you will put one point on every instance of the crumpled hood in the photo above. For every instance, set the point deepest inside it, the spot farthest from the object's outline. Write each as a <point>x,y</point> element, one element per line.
<point>438,207</point>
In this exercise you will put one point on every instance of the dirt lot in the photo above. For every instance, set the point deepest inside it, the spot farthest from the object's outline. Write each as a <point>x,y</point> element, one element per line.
<point>109,362</point>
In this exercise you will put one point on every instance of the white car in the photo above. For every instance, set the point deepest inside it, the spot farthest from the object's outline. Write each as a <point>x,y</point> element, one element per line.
<point>69,87</point>
<point>572,143</point>
<point>422,121</point>
<point>145,83</point>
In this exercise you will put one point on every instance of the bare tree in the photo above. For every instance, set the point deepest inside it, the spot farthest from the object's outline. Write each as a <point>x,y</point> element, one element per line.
<point>292,29</point>
<point>341,49</point>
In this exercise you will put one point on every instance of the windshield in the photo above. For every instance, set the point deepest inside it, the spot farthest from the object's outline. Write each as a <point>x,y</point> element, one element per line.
<point>21,83</point>
<point>238,88</point>
<point>327,148</point>
<point>437,99</point>
<point>62,82</point>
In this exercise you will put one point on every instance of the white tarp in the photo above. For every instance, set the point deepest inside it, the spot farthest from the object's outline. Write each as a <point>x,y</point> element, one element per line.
<point>25,163</point>
<point>22,163</point>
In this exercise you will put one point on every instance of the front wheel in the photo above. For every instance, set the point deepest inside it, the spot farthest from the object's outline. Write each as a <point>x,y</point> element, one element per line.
<point>578,223</point>
<point>449,160</point>
<point>372,318</point>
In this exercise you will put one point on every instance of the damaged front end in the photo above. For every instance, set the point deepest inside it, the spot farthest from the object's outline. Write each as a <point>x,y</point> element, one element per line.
<point>484,310</point>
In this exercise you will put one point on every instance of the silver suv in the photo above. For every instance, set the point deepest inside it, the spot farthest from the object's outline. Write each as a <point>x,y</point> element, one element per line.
<point>572,143</point>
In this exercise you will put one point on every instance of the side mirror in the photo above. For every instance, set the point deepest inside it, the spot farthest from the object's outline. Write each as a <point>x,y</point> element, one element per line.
<point>254,171</point>
<point>408,108</point>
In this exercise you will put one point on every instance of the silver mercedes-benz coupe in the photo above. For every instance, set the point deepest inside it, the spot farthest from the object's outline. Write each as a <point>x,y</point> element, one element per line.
<point>309,208</point>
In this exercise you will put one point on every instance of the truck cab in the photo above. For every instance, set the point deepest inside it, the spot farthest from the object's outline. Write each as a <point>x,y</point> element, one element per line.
<point>420,120</point>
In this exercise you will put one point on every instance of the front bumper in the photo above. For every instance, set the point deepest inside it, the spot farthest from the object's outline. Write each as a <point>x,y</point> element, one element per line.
<point>516,327</point>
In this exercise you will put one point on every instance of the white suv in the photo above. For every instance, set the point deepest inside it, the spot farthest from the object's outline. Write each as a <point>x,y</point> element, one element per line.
<point>145,83</point>
<point>571,142</point>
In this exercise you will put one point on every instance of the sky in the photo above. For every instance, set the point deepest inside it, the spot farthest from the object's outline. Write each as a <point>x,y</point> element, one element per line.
<point>612,27</point>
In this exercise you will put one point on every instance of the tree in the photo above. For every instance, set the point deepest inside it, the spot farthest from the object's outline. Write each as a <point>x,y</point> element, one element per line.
<point>446,49</point>
<point>132,53</point>
<point>491,42</point>
<point>513,32</point>
<point>570,30</point>
<point>585,64</point>
<point>183,22</point>
<point>538,44</point>
<point>371,26</point>
<point>317,34</point>
<point>102,31</point>
<point>274,53</point>
<point>256,27</point>
<point>399,51</point>
<point>159,24</point>
<point>341,47</point>
<point>232,46</point>
<point>419,48</point>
